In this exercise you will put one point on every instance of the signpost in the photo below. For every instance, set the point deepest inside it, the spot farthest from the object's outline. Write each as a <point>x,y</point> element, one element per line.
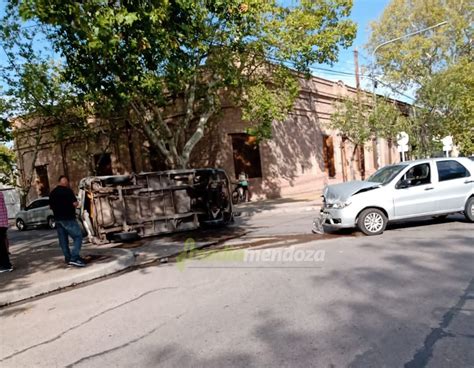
<point>402,141</point>
<point>447,144</point>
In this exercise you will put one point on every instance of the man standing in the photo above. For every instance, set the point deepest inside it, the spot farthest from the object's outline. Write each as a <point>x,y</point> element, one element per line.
<point>63,202</point>
<point>5,265</point>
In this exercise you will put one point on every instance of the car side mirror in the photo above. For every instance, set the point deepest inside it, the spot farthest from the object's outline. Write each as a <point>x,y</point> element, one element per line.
<point>403,184</point>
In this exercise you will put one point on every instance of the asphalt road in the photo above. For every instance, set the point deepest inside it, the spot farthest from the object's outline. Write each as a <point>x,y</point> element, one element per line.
<point>402,299</point>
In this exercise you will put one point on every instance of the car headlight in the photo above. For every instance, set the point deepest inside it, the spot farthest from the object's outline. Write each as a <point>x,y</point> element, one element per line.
<point>339,205</point>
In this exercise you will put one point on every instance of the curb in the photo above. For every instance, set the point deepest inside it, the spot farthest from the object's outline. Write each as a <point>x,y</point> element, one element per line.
<point>250,213</point>
<point>124,259</point>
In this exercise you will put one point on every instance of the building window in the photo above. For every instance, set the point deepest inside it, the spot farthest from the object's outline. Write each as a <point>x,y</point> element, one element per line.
<point>42,180</point>
<point>328,155</point>
<point>103,164</point>
<point>246,155</point>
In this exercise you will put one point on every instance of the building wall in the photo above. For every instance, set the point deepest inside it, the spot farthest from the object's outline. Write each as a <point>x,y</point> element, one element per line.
<point>292,161</point>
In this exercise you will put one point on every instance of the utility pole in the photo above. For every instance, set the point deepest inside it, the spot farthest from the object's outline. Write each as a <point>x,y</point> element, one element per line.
<point>359,114</point>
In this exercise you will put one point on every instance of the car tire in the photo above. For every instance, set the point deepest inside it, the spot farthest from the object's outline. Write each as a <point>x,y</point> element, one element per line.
<point>20,224</point>
<point>469,210</point>
<point>125,236</point>
<point>51,223</point>
<point>372,221</point>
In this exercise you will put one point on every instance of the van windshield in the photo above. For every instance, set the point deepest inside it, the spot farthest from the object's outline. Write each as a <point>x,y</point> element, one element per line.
<point>386,174</point>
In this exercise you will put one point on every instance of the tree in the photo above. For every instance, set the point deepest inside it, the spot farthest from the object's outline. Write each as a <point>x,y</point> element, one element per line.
<point>387,120</point>
<point>7,156</point>
<point>34,93</point>
<point>423,64</point>
<point>449,95</point>
<point>358,122</point>
<point>154,59</point>
<point>350,120</point>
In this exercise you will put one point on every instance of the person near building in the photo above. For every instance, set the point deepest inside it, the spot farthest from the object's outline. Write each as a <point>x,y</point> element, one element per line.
<point>5,264</point>
<point>63,202</point>
<point>244,184</point>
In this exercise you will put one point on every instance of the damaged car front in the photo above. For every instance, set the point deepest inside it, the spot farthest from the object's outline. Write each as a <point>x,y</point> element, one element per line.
<point>343,203</point>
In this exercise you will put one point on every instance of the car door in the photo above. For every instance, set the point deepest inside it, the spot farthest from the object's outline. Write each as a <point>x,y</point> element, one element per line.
<point>37,211</point>
<point>455,183</point>
<point>414,193</point>
<point>30,212</point>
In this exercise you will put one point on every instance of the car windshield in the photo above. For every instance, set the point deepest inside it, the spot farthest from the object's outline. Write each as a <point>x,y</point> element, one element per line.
<point>386,174</point>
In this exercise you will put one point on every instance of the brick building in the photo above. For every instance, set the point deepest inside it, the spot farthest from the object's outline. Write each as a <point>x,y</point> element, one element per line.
<point>302,156</point>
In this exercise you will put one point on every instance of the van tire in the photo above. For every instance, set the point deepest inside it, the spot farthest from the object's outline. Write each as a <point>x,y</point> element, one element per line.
<point>125,236</point>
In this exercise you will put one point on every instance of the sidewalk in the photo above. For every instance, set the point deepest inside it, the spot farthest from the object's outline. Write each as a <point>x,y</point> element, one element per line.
<point>39,266</point>
<point>273,206</point>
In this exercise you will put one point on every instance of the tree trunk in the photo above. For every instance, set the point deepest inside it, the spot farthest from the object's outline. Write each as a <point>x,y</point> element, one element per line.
<point>351,164</point>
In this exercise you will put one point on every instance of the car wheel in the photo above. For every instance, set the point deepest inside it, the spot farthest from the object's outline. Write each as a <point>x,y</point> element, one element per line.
<point>372,221</point>
<point>125,236</point>
<point>469,209</point>
<point>20,224</point>
<point>51,222</point>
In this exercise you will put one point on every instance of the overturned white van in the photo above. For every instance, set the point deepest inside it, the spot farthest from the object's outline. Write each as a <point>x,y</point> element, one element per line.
<point>128,207</point>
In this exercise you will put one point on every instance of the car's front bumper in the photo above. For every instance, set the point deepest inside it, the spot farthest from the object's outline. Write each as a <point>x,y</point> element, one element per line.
<point>338,218</point>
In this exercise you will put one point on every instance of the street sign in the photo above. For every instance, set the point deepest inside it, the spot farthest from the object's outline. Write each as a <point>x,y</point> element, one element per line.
<point>447,141</point>
<point>403,148</point>
<point>402,139</point>
<point>447,144</point>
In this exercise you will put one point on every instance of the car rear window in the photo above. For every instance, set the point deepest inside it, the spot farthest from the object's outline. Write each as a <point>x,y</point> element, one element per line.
<point>450,169</point>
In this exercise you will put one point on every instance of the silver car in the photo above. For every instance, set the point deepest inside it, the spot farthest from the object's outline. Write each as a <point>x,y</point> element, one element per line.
<point>431,187</point>
<point>37,213</point>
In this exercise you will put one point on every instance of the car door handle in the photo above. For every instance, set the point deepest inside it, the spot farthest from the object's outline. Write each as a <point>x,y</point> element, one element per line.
<point>429,188</point>
<point>469,181</point>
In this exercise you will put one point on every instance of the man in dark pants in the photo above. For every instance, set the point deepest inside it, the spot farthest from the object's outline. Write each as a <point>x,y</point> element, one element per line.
<point>5,265</point>
<point>63,202</point>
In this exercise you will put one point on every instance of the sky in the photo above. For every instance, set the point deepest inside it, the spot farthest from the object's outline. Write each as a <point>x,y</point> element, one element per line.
<point>363,12</point>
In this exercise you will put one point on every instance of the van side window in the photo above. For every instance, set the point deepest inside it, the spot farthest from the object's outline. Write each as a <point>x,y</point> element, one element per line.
<point>450,170</point>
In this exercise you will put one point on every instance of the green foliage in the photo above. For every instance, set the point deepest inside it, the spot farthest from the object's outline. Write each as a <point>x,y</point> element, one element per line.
<point>351,121</point>
<point>359,122</point>
<point>450,96</point>
<point>7,165</point>
<point>143,58</point>
<point>408,62</point>
<point>386,120</point>
<point>436,65</point>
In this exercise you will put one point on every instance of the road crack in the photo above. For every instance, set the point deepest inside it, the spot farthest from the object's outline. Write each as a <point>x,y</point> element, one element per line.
<point>90,319</point>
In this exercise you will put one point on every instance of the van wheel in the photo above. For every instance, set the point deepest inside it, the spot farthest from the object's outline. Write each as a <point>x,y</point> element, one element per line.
<point>469,209</point>
<point>51,222</point>
<point>125,236</point>
<point>118,180</point>
<point>372,221</point>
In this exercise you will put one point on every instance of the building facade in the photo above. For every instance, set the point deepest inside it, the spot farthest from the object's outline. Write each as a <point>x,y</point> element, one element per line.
<point>302,156</point>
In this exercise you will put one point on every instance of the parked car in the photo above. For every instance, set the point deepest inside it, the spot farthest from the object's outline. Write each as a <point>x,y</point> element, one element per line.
<point>128,207</point>
<point>37,213</point>
<point>431,187</point>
